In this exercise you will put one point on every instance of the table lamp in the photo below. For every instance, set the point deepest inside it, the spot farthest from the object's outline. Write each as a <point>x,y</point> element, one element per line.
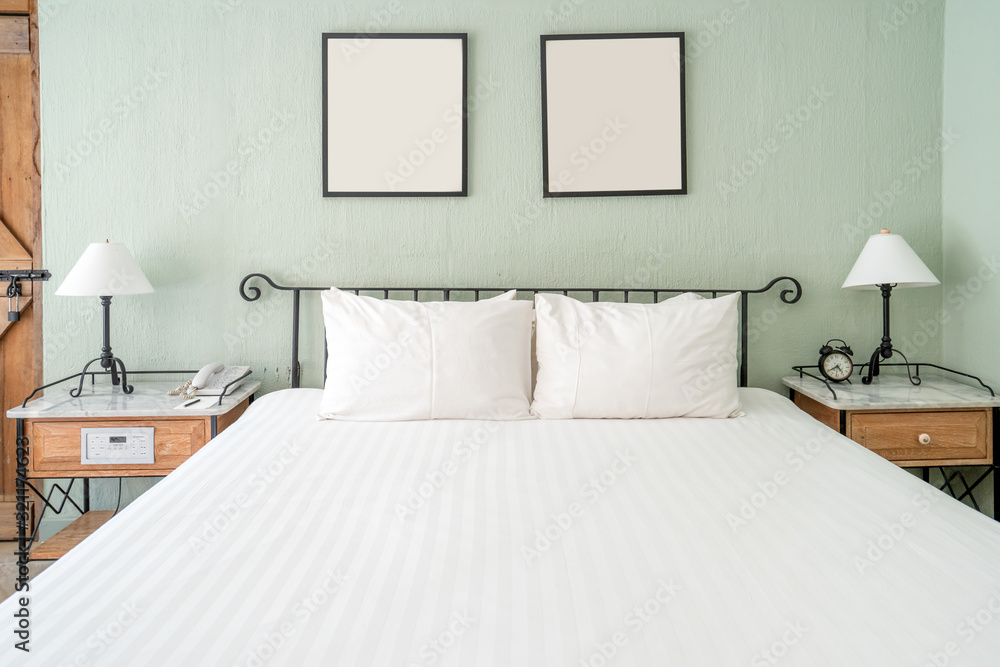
<point>887,261</point>
<point>106,270</point>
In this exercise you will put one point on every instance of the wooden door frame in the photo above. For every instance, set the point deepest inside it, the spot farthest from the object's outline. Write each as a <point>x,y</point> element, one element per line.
<point>21,350</point>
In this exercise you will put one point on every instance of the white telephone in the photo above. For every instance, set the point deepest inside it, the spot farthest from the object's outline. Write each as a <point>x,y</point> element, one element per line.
<point>212,379</point>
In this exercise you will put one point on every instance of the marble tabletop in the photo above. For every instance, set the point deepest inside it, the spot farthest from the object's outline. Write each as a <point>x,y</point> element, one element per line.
<point>148,399</point>
<point>894,392</point>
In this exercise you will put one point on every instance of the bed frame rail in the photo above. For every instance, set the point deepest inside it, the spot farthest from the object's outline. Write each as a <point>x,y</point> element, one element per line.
<point>791,294</point>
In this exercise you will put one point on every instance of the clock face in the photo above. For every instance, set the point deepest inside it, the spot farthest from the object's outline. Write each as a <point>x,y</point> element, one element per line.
<point>837,366</point>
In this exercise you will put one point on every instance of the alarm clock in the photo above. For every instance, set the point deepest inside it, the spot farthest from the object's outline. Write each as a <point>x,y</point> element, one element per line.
<point>835,363</point>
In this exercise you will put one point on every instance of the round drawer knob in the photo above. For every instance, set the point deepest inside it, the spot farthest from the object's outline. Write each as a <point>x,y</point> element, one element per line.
<point>924,439</point>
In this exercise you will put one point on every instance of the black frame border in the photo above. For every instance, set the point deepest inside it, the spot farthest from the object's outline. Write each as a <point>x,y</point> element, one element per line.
<point>464,37</point>
<point>548,194</point>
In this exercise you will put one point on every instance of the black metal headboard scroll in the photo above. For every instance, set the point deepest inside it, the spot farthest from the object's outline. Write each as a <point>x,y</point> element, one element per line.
<point>791,294</point>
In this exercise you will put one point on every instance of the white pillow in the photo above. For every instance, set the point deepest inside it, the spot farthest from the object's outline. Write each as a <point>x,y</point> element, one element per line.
<point>628,361</point>
<point>686,296</point>
<point>404,360</point>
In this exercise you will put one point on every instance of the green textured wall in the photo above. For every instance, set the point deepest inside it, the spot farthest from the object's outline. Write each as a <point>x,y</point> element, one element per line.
<point>190,130</point>
<point>971,308</point>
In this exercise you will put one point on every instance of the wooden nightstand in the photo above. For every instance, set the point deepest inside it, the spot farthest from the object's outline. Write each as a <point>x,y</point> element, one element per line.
<point>52,429</point>
<point>939,423</point>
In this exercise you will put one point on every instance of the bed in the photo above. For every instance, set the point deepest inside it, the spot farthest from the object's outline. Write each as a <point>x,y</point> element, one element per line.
<point>763,540</point>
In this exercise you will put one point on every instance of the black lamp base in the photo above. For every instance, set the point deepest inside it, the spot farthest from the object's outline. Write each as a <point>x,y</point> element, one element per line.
<point>109,362</point>
<point>114,364</point>
<point>885,350</point>
<point>886,353</point>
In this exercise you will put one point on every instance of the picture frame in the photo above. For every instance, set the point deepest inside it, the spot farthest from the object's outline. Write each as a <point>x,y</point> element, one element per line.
<point>395,115</point>
<point>613,115</point>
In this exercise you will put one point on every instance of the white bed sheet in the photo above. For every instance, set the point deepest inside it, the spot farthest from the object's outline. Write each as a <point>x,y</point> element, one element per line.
<point>762,540</point>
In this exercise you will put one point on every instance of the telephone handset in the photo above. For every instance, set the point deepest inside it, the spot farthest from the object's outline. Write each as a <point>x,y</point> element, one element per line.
<point>212,379</point>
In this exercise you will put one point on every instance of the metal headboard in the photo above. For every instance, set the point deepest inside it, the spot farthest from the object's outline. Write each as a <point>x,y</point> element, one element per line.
<point>790,295</point>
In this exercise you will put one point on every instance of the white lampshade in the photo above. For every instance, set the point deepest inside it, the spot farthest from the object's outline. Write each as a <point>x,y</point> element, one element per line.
<point>105,269</point>
<point>887,259</point>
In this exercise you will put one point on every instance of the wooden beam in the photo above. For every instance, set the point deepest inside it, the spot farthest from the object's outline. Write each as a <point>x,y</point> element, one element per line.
<point>15,6</point>
<point>22,304</point>
<point>17,149</point>
<point>14,35</point>
<point>10,248</point>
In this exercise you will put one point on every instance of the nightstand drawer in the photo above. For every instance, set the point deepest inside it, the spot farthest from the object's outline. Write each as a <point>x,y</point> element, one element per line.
<point>55,447</point>
<point>918,438</point>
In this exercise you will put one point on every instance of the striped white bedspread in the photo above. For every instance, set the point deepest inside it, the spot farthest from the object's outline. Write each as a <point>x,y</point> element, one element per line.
<point>758,541</point>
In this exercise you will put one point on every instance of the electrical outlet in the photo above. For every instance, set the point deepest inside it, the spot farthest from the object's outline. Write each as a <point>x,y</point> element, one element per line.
<point>103,446</point>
